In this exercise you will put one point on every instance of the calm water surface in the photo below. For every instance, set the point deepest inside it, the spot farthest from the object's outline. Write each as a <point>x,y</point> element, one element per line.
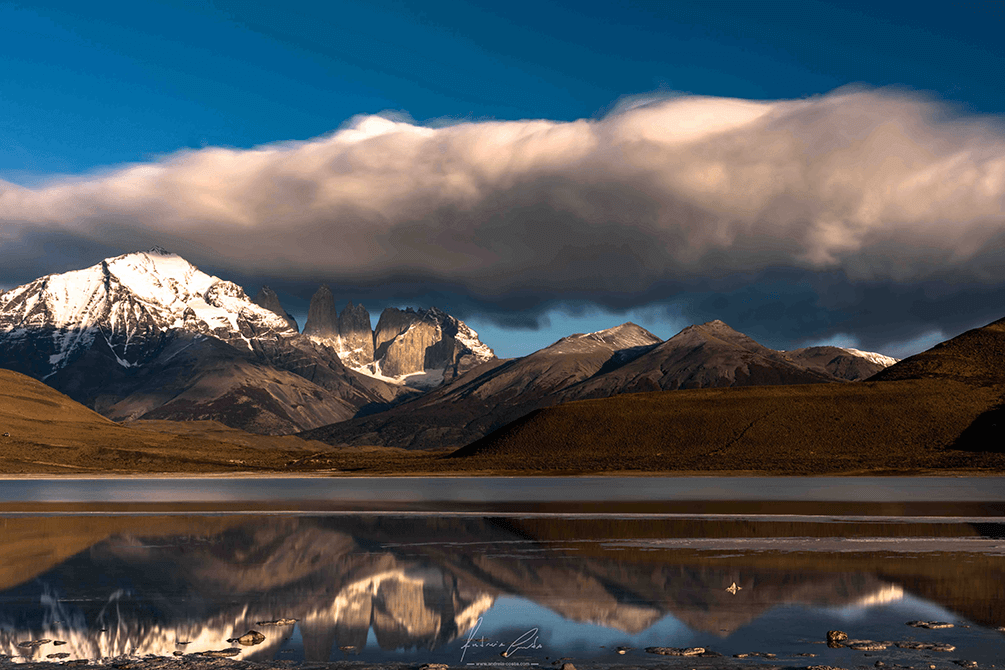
<point>505,489</point>
<point>463,589</point>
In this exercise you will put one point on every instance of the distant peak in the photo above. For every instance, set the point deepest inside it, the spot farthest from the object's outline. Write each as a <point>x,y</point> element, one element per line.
<point>714,325</point>
<point>627,325</point>
<point>158,250</point>
<point>715,328</point>
<point>625,336</point>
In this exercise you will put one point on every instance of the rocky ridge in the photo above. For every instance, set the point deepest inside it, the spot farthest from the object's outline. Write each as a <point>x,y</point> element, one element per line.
<point>268,299</point>
<point>426,342</point>
<point>624,359</point>
<point>418,348</point>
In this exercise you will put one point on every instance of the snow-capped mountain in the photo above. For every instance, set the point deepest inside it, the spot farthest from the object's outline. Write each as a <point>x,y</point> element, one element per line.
<point>131,302</point>
<point>149,335</point>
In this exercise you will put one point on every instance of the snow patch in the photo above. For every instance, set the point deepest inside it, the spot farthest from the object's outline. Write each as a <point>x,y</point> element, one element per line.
<point>872,357</point>
<point>426,379</point>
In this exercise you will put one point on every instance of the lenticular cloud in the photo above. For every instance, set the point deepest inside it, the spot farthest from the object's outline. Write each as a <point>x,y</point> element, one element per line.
<point>876,184</point>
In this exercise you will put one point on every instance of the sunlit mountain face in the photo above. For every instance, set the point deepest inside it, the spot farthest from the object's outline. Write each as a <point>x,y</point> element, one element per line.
<point>469,589</point>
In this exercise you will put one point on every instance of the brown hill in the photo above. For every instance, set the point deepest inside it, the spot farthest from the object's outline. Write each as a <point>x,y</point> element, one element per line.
<point>976,357</point>
<point>800,429</point>
<point>46,431</point>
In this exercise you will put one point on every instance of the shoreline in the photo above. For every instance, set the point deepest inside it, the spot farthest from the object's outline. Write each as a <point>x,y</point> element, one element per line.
<point>504,474</point>
<point>701,496</point>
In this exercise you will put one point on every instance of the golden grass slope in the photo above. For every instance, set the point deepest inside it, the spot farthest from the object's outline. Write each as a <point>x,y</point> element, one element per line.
<point>50,433</point>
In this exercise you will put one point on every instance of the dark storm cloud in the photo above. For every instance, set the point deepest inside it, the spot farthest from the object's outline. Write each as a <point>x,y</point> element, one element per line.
<point>858,198</point>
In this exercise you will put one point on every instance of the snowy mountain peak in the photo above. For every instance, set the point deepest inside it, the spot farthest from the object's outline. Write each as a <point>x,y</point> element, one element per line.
<point>131,299</point>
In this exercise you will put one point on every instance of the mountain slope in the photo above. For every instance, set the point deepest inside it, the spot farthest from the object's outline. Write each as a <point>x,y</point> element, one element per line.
<point>135,332</point>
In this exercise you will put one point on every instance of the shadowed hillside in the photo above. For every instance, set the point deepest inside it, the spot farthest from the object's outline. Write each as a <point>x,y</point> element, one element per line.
<point>976,357</point>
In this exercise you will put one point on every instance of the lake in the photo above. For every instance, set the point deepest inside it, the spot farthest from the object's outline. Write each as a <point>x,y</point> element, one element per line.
<point>464,570</point>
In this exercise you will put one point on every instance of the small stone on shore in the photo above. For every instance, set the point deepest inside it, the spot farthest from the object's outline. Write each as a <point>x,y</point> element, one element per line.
<point>276,622</point>
<point>221,653</point>
<point>32,644</point>
<point>676,651</point>
<point>61,654</point>
<point>932,625</point>
<point>911,644</point>
<point>866,645</point>
<point>250,638</point>
<point>568,666</point>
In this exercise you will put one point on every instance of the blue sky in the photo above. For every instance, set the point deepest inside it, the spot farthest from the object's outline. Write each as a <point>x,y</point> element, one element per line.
<point>88,90</point>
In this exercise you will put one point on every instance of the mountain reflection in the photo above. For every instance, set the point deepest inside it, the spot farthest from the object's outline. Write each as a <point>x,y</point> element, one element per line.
<point>421,583</point>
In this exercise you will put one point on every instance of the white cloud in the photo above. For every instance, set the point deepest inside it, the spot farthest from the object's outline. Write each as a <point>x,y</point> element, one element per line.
<point>879,184</point>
